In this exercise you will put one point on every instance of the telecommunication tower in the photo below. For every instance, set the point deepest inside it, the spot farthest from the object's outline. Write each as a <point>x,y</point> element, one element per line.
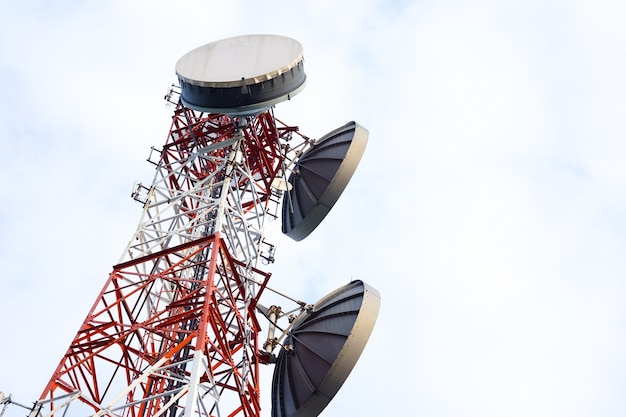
<point>176,329</point>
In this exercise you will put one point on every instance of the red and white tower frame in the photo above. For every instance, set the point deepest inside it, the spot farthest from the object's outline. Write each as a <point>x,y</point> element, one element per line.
<point>174,331</point>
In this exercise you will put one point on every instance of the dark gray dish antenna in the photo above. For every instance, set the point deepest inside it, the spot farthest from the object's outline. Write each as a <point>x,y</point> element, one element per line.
<point>243,75</point>
<point>321,349</point>
<point>319,177</point>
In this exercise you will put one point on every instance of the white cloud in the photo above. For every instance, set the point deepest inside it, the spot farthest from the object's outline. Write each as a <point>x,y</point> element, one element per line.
<point>488,208</point>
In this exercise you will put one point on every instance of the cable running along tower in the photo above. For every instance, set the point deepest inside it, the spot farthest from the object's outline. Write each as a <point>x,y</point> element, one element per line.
<point>176,329</point>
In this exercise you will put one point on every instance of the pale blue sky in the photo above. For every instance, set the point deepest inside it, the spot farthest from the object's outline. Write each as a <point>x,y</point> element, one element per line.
<point>488,208</point>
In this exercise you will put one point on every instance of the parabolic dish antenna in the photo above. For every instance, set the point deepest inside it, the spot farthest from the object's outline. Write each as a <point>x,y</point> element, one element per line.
<point>319,177</point>
<point>321,350</point>
<point>241,75</point>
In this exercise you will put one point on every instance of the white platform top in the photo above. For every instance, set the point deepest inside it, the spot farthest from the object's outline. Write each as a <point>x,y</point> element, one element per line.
<point>255,58</point>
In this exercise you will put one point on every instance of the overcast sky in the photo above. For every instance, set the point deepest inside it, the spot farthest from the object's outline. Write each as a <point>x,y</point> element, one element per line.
<point>489,208</point>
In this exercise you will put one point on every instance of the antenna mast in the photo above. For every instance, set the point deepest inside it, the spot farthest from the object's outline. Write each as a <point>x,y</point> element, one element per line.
<point>174,331</point>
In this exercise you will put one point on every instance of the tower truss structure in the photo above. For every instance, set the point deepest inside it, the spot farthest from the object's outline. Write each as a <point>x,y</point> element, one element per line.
<point>174,331</point>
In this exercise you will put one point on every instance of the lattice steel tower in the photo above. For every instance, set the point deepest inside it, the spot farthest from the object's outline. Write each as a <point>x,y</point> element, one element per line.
<point>174,331</point>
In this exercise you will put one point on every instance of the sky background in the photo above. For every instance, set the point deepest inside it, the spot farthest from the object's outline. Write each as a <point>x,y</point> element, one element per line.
<point>489,208</point>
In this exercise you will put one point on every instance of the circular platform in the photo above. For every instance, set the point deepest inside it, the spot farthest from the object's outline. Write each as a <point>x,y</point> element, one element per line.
<point>319,177</point>
<point>241,75</point>
<point>322,349</point>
